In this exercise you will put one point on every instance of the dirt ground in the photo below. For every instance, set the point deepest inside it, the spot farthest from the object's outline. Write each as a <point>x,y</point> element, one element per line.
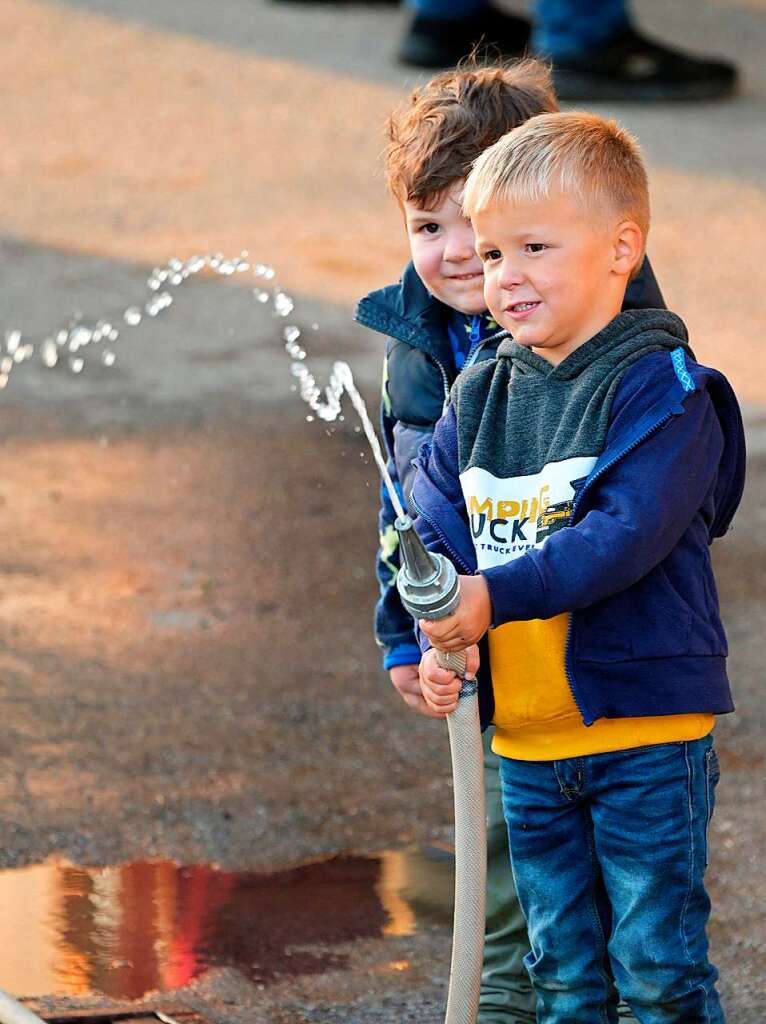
<point>188,673</point>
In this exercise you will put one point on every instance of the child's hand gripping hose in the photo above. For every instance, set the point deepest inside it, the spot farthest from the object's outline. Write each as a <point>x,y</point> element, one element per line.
<point>428,586</point>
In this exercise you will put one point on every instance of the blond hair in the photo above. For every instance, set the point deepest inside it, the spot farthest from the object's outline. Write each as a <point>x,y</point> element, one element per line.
<point>582,155</point>
<point>445,124</point>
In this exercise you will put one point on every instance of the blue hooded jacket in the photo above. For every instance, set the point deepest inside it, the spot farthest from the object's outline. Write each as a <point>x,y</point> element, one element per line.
<point>633,569</point>
<point>419,372</point>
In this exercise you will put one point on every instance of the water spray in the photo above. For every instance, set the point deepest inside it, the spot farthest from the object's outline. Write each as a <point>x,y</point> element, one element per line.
<point>429,588</point>
<point>76,343</point>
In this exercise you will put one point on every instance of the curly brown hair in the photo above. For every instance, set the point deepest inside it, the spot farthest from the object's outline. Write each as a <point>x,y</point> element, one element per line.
<point>434,138</point>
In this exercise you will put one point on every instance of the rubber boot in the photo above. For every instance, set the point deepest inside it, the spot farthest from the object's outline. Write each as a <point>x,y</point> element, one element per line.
<point>506,992</point>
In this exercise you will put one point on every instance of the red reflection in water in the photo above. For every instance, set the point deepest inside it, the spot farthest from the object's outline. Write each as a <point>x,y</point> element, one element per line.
<point>134,928</point>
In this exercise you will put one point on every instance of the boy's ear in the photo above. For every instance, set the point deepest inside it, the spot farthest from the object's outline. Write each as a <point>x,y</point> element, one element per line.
<point>628,247</point>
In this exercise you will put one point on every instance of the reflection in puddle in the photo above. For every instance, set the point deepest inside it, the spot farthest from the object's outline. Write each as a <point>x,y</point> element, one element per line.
<point>153,925</point>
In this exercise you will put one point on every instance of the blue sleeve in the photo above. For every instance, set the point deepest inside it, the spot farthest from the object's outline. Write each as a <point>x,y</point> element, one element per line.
<point>639,510</point>
<point>394,626</point>
<point>438,497</point>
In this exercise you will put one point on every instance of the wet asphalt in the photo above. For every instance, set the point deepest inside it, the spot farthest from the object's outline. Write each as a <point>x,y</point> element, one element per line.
<point>188,671</point>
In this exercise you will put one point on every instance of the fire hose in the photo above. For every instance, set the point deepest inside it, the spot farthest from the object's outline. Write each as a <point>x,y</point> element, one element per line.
<point>429,588</point>
<point>13,1012</point>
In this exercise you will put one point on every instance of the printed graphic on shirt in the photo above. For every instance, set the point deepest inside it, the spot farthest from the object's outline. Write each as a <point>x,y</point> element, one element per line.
<point>509,516</point>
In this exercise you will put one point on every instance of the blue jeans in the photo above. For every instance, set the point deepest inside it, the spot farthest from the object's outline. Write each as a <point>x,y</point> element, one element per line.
<point>609,854</point>
<point>562,27</point>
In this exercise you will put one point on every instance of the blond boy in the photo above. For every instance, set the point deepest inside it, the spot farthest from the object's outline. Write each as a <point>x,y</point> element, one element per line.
<point>579,480</point>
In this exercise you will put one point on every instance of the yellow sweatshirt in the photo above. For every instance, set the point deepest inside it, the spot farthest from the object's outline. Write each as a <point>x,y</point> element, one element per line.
<point>536,718</point>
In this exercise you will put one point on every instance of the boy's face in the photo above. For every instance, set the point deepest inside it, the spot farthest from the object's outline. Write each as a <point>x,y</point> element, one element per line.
<point>443,251</point>
<point>554,273</point>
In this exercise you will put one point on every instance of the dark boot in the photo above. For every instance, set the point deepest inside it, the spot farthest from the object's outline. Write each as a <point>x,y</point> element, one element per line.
<point>442,43</point>
<point>632,67</point>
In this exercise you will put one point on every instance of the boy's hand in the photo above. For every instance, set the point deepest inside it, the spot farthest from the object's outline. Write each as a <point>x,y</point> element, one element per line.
<point>470,621</point>
<point>406,680</point>
<point>440,686</point>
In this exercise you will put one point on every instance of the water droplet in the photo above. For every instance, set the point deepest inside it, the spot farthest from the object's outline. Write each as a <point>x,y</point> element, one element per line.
<point>108,358</point>
<point>357,429</point>
<point>291,333</point>
<point>283,304</point>
<point>132,316</point>
<point>159,302</point>
<point>175,263</point>
<point>49,353</point>
<point>79,337</point>
<point>260,295</point>
<point>176,279</point>
<point>76,364</point>
<point>269,273</point>
<point>12,339</point>
<point>315,327</point>
<point>309,419</point>
<point>114,334</point>
<point>6,365</point>
<point>62,337</point>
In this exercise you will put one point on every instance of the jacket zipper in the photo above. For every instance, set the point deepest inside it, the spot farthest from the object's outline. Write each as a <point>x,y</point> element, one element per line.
<point>475,329</point>
<point>612,462</point>
<point>445,541</point>
<point>445,383</point>
<point>477,344</point>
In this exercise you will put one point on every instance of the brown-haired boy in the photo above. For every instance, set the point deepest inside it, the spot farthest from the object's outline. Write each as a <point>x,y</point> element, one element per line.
<point>436,323</point>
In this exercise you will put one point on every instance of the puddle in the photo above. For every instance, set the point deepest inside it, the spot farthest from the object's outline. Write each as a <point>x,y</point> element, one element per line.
<point>155,925</point>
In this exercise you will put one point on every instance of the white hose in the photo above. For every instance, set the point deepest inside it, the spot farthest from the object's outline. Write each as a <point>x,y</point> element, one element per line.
<point>12,1012</point>
<point>470,849</point>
